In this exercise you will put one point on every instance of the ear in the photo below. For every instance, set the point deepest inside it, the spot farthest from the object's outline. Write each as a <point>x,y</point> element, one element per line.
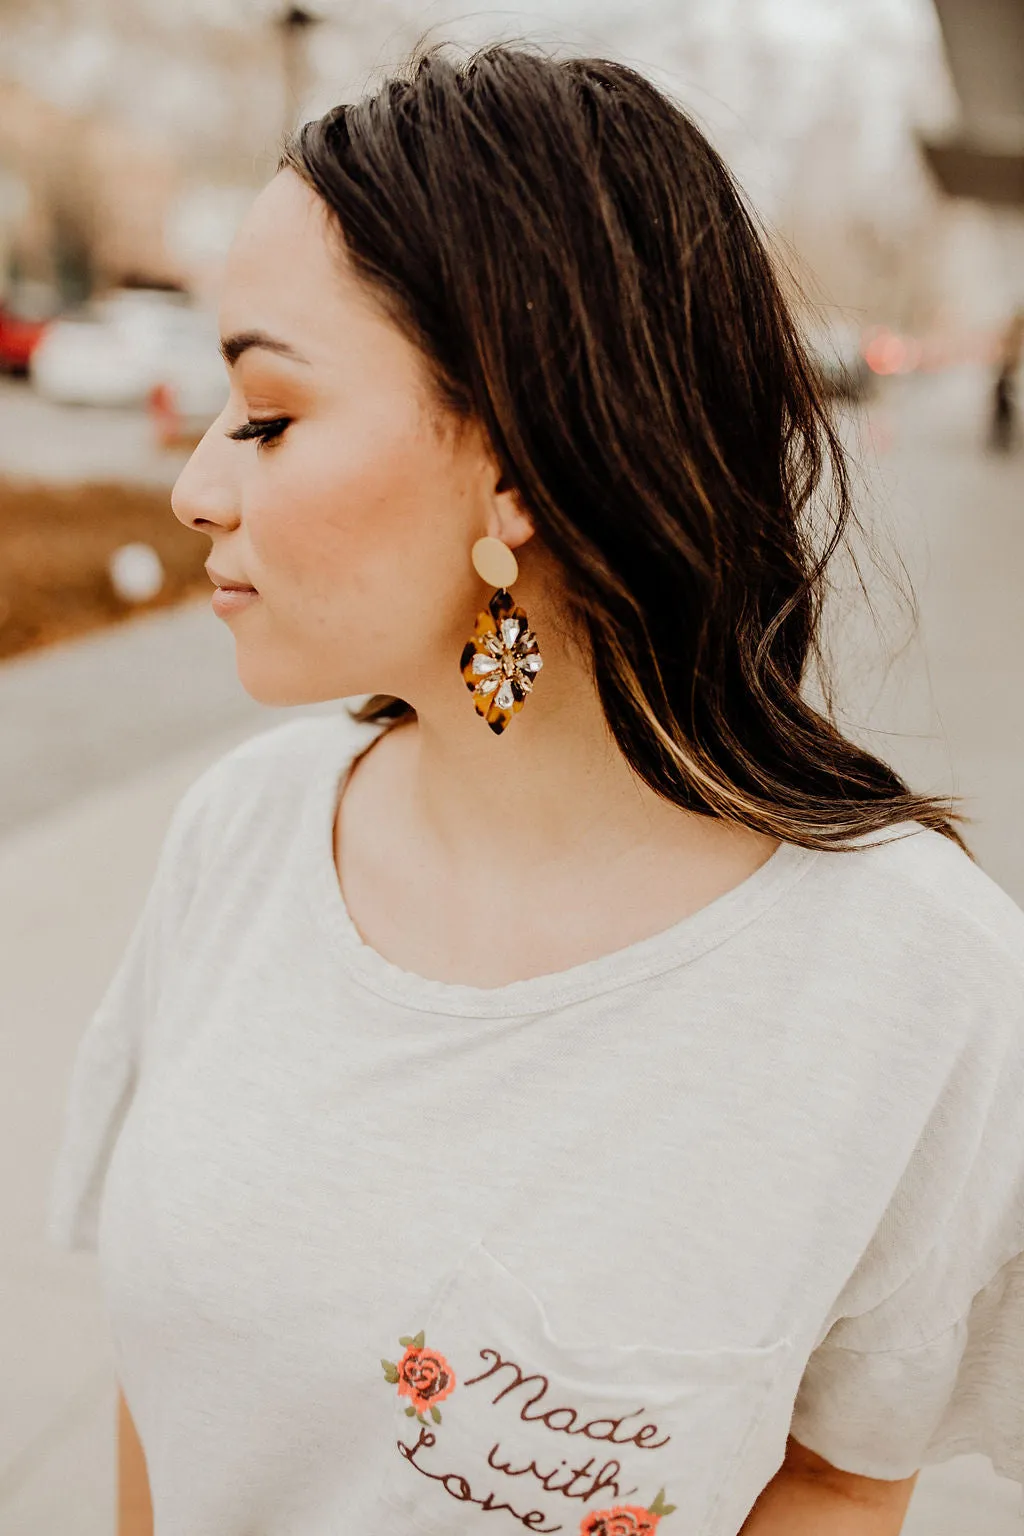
<point>506,518</point>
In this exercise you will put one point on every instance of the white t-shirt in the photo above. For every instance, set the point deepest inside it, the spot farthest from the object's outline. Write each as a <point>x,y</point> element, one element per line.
<point>389,1254</point>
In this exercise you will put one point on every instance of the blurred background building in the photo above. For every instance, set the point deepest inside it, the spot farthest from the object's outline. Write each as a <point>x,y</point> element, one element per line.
<point>132,131</point>
<point>879,140</point>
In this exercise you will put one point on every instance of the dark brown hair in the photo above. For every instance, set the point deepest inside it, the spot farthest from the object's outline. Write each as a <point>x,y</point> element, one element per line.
<point>579,268</point>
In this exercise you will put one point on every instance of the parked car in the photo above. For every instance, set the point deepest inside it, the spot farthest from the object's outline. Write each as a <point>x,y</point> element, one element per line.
<point>26,310</point>
<point>190,391</point>
<point>121,348</point>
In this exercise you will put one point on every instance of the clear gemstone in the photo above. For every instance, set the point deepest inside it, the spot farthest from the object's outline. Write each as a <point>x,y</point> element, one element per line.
<point>493,644</point>
<point>505,698</point>
<point>531,663</point>
<point>483,664</point>
<point>509,631</point>
<point>488,685</point>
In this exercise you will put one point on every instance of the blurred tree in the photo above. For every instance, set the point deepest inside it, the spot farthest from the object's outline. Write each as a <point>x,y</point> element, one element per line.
<point>813,105</point>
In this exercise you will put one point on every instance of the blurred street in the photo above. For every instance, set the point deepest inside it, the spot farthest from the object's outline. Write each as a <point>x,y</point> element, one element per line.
<point>104,735</point>
<point>79,443</point>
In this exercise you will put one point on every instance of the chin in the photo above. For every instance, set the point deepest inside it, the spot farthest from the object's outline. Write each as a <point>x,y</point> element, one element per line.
<point>279,688</point>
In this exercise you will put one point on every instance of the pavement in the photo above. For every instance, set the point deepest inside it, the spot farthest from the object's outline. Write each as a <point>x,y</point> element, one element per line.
<point>120,701</point>
<point>102,736</point>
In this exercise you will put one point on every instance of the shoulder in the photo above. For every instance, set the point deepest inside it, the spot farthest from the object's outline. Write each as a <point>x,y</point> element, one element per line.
<point>280,756</point>
<point>924,987</point>
<point>282,747</point>
<point>918,920</point>
<point>914,871</point>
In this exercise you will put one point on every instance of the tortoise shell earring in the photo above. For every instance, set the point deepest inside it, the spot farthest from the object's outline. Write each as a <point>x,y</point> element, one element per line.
<point>500,660</point>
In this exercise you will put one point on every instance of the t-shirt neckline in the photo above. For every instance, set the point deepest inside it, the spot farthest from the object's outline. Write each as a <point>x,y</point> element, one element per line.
<point>671,947</point>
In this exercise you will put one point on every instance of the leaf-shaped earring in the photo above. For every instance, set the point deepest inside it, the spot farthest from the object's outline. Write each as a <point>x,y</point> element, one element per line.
<point>500,660</point>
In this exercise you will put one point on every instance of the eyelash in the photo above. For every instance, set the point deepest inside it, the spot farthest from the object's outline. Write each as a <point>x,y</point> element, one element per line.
<point>262,431</point>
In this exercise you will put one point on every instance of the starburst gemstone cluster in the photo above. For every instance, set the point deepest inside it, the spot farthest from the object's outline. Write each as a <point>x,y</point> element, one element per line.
<point>500,661</point>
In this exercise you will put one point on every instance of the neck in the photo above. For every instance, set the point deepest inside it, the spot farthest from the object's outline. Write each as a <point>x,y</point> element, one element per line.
<point>553,785</point>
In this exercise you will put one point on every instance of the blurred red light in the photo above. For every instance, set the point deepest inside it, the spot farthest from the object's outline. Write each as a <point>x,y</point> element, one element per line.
<point>888,353</point>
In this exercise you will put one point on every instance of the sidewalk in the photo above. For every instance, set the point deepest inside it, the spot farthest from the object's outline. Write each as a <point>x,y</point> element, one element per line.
<point>70,887</point>
<point>116,703</point>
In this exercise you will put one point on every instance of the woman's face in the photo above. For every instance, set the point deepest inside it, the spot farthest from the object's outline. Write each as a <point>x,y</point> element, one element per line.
<point>354,520</point>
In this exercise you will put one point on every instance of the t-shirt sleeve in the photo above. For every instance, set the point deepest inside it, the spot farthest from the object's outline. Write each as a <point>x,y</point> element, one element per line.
<point>106,1064</point>
<point>935,1367</point>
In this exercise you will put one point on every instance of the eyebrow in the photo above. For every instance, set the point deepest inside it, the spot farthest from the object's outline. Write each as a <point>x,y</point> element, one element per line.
<point>232,347</point>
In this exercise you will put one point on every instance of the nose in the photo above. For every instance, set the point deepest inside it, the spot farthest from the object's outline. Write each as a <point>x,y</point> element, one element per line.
<point>204,497</point>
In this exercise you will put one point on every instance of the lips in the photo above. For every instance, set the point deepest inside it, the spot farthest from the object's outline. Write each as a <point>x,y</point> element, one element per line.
<point>230,600</point>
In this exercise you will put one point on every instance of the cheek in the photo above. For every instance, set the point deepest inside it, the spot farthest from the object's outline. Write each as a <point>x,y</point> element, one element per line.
<point>358,524</point>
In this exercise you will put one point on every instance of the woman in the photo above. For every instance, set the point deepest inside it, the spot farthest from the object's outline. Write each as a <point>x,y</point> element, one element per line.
<point>578,1090</point>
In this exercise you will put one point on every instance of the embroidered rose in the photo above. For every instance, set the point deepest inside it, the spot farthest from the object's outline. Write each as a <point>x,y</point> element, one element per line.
<point>623,1520</point>
<point>627,1519</point>
<point>423,1376</point>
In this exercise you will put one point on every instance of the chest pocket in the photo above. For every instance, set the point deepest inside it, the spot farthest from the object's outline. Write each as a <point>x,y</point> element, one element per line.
<point>493,1414</point>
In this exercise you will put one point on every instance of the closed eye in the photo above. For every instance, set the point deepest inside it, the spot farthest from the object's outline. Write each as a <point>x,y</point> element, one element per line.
<point>260,431</point>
